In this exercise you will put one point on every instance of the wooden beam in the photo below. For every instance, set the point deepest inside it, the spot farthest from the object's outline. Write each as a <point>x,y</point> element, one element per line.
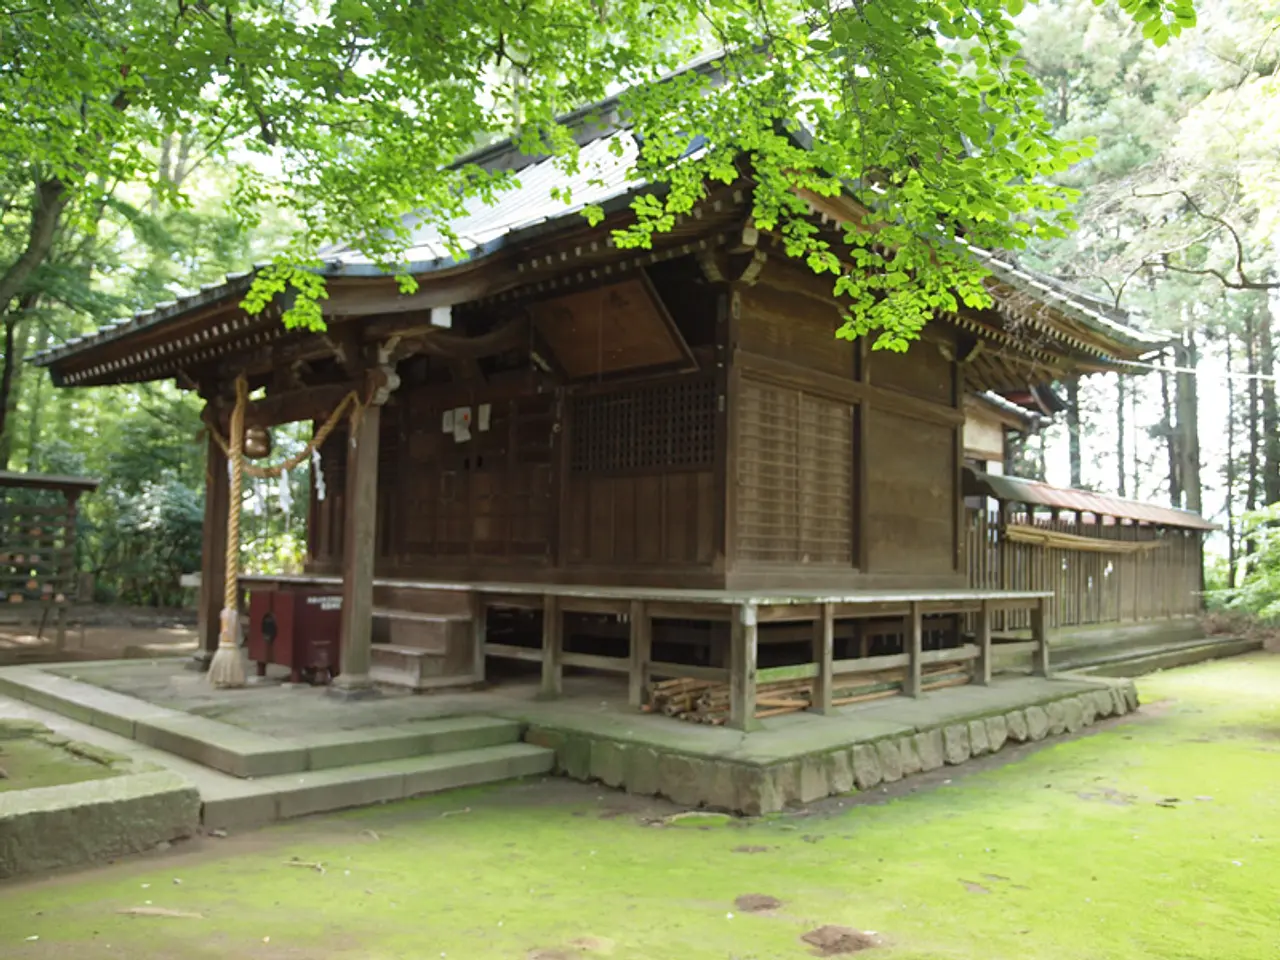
<point>787,374</point>
<point>795,671</point>
<point>552,647</point>
<point>641,653</point>
<point>591,661</point>
<point>914,637</point>
<point>292,406</point>
<point>742,668</point>
<point>824,654</point>
<point>358,549</point>
<point>506,651</point>
<point>982,674</point>
<point>424,338</point>
<point>660,668</point>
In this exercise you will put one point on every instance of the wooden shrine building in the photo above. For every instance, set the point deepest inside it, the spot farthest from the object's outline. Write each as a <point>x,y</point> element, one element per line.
<point>660,463</point>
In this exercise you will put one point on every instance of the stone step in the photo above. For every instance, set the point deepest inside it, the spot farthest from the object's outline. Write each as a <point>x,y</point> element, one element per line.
<point>419,738</point>
<point>245,753</point>
<point>252,803</point>
<point>1136,663</point>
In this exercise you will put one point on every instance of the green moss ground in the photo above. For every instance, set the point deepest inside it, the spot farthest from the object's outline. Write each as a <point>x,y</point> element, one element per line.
<point>1152,838</point>
<point>33,756</point>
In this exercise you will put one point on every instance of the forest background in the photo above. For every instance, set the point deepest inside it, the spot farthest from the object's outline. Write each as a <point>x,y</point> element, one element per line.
<point>1179,223</point>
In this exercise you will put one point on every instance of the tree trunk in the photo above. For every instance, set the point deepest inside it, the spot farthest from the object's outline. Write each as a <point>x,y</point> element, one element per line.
<point>1120,465</point>
<point>37,404</point>
<point>6,384</point>
<point>1136,473</point>
<point>1188,409</point>
<point>1270,413</point>
<point>1251,348</point>
<point>1170,443</point>
<point>15,349</point>
<point>1230,469</point>
<point>1073,431</point>
<point>47,203</point>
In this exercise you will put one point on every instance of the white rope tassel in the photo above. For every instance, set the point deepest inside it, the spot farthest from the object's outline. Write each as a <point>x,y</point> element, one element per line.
<point>285,493</point>
<point>317,471</point>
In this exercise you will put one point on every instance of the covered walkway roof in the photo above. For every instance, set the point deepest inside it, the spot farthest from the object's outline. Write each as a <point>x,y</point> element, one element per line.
<point>1035,493</point>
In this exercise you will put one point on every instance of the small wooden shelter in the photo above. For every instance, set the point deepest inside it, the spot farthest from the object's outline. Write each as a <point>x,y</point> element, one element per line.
<point>667,457</point>
<point>38,543</point>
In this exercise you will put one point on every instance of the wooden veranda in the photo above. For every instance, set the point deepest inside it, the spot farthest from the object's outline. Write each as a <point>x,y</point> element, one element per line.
<point>744,612</point>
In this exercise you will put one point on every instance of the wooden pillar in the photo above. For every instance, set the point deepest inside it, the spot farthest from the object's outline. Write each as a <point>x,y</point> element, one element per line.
<point>914,641</point>
<point>213,553</point>
<point>983,672</point>
<point>742,668</point>
<point>479,635</point>
<point>824,641</point>
<point>552,647</point>
<point>1039,634</point>
<point>641,646</point>
<point>358,547</point>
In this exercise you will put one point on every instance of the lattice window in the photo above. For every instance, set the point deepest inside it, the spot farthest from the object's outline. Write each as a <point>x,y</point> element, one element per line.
<point>645,427</point>
<point>795,476</point>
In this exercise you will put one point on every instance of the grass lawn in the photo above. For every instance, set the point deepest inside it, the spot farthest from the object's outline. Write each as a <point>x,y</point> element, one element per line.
<point>1150,838</point>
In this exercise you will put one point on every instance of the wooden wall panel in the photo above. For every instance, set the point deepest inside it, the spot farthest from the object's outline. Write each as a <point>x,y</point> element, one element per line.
<point>792,317</point>
<point>641,519</point>
<point>795,477</point>
<point>922,371</point>
<point>487,497</point>
<point>912,495</point>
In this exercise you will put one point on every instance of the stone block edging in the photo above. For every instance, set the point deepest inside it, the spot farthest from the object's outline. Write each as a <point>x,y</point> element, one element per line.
<point>754,789</point>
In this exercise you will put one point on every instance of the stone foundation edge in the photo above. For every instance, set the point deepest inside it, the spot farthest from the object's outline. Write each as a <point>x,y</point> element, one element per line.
<point>699,780</point>
<point>66,826</point>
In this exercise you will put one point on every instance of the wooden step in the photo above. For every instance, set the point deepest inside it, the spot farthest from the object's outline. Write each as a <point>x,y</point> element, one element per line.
<point>437,602</point>
<point>416,668</point>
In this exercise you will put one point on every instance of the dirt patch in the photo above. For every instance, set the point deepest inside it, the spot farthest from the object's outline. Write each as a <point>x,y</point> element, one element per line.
<point>756,903</point>
<point>751,848</point>
<point>833,941</point>
<point>593,944</point>
<point>974,887</point>
<point>1109,795</point>
<point>100,633</point>
<point>1250,733</point>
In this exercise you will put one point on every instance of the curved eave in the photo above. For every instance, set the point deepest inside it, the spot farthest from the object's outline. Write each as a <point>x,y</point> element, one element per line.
<point>216,296</point>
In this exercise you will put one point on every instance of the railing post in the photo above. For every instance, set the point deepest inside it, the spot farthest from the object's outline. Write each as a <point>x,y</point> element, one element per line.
<point>824,654</point>
<point>742,668</point>
<point>1040,635</point>
<point>479,635</point>
<point>913,685</point>
<point>552,647</point>
<point>984,644</point>
<point>641,644</point>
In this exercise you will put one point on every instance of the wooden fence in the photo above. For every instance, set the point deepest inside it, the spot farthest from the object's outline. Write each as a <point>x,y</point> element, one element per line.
<point>1132,573</point>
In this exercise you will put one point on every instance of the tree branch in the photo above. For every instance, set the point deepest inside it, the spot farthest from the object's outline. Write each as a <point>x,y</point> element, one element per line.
<point>1242,281</point>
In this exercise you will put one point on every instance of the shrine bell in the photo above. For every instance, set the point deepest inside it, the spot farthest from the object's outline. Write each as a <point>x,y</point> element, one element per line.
<point>257,443</point>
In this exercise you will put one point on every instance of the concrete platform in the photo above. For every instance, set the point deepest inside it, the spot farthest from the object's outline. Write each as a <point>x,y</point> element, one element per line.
<point>294,741</point>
